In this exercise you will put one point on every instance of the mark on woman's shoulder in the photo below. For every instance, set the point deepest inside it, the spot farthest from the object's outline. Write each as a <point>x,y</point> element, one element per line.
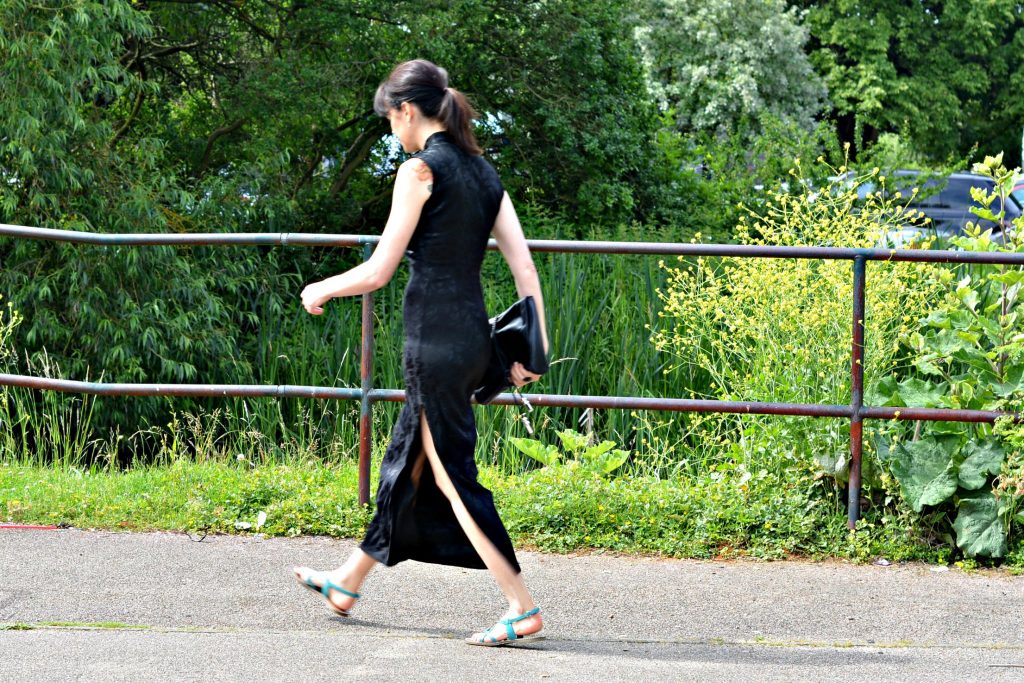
<point>422,171</point>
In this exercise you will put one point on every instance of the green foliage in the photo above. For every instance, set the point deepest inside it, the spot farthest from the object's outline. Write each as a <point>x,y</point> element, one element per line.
<point>134,314</point>
<point>9,320</point>
<point>272,102</point>
<point>738,100</point>
<point>968,353</point>
<point>60,72</point>
<point>717,174</point>
<point>893,151</point>
<point>715,65</point>
<point>943,75</point>
<point>926,471</point>
<point>565,84</point>
<point>45,427</point>
<point>601,458</point>
<point>778,330</point>
<point>211,117</point>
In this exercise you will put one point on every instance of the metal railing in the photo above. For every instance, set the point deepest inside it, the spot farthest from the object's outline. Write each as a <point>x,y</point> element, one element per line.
<point>855,411</point>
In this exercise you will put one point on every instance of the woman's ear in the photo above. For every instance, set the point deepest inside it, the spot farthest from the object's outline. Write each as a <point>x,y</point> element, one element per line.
<point>407,110</point>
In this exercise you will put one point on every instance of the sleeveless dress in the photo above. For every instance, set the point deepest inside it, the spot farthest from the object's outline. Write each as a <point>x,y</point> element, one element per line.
<point>446,352</point>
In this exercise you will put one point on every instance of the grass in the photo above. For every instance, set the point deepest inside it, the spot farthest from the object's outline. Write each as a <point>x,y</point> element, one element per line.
<point>104,625</point>
<point>561,510</point>
<point>200,497</point>
<point>115,625</point>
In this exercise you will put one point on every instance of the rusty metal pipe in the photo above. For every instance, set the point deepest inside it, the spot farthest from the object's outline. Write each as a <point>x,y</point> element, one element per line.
<point>115,389</point>
<point>562,246</point>
<point>366,403</point>
<point>752,408</point>
<point>681,405</point>
<point>186,239</point>
<point>558,400</point>
<point>936,414</point>
<point>856,393</point>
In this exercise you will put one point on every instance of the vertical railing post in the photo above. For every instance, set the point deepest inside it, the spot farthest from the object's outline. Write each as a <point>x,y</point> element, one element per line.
<point>857,392</point>
<point>366,377</point>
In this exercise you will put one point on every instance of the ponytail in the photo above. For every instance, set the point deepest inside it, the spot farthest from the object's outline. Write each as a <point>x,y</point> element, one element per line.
<point>457,114</point>
<point>426,85</point>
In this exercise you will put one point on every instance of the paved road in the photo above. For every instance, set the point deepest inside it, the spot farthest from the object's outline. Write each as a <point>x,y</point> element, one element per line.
<point>98,606</point>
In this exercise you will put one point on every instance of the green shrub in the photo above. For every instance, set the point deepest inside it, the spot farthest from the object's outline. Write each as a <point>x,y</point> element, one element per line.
<point>968,352</point>
<point>779,330</point>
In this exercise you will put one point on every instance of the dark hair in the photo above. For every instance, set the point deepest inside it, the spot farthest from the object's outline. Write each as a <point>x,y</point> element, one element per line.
<point>426,85</point>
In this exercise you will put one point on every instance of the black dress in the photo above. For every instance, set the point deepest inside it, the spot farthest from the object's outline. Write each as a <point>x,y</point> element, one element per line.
<point>447,347</point>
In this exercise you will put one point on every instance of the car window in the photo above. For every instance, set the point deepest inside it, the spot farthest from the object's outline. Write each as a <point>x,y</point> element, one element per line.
<point>1013,207</point>
<point>957,192</point>
<point>1018,195</point>
<point>929,192</point>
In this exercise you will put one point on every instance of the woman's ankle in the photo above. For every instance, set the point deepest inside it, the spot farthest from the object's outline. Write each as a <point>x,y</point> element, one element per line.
<point>520,607</point>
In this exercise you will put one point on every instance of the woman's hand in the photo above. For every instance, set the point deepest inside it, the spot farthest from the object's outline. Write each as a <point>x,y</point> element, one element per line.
<point>520,376</point>
<point>314,298</point>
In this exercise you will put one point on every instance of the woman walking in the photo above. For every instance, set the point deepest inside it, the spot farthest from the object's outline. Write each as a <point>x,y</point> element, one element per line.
<point>447,202</point>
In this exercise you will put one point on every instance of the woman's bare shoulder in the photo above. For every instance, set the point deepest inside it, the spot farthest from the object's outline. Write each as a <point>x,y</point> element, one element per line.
<point>417,168</point>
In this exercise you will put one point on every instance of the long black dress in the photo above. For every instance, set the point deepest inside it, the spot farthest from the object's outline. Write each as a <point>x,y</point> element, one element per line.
<point>447,347</point>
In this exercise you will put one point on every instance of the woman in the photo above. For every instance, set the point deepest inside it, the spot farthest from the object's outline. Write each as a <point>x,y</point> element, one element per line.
<point>447,202</point>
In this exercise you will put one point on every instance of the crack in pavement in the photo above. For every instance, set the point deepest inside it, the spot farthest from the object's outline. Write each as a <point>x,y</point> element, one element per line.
<point>390,635</point>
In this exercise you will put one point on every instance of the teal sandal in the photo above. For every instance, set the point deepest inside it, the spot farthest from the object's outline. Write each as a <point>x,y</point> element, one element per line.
<point>325,592</point>
<point>490,641</point>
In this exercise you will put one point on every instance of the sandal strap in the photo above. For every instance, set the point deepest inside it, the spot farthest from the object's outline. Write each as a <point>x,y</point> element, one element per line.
<point>328,585</point>
<point>524,615</point>
<point>511,632</point>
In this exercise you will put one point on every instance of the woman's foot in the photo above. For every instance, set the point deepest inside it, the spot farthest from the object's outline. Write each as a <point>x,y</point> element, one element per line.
<point>340,596</point>
<point>524,626</point>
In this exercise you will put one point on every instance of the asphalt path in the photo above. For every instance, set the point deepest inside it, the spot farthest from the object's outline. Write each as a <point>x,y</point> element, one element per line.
<point>98,606</point>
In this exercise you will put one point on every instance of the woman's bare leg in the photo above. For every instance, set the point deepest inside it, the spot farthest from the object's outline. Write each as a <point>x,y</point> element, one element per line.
<point>509,581</point>
<point>349,576</point>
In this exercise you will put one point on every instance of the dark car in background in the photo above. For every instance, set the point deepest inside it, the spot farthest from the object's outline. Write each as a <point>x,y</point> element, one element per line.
<point>1018,191</point>
<point>946,201</point>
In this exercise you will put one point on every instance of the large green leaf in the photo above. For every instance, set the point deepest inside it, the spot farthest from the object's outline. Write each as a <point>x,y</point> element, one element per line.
<point>979,530</point>
<point>542,453</point>
<point>1014,382</point>
<point>596,451</point>
<point>884,392</point>
<point>920,394</point>
<point>573,441</point>
<point>926,471</point>
<point>609,462</point>
<point>1010,277</point>
<point>834,462</point>
<point>604,457</point>
<point>928,365</point>
<point>983,459</point>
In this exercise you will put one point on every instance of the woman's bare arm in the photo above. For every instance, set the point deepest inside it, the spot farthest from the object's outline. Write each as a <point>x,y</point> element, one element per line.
<point>508,232</point>
<point>412,189</point>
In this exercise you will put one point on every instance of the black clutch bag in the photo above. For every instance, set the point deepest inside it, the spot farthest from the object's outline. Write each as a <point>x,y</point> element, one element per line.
<point>515,336</point>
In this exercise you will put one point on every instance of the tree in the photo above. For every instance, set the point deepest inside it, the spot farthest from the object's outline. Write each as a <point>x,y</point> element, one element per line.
<point>70,157</point>
<point>222,116</point>
<point>945,75</point>
<point>272,99</point>
<point>723,65</point>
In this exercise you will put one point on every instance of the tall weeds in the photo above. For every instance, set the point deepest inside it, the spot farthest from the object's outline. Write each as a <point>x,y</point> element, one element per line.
<point>599,309</point>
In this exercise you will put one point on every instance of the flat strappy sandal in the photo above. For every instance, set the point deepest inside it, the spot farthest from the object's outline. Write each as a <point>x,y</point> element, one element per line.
<point>490,641</point>
<point>325,592</point>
